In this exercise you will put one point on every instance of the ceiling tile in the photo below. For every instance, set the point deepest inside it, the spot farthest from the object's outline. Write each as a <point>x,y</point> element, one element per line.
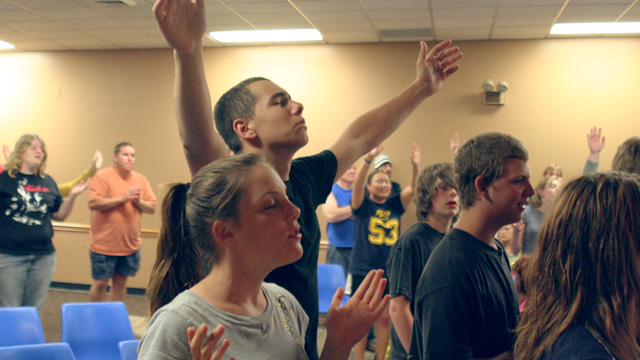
<point>459,4</point>
<point>463,23</point>
<point>395,4</point>
<point>481,33</point>
<point>402,24</point>
<point>327,6</point>
<point>420,14</point>
<point>39,45</point>
<point>263,8</point>
<point>342,37</point>
<point>593,10</point>
<point>471,13</point>
<point>532,32</point>
<point>528,11</point>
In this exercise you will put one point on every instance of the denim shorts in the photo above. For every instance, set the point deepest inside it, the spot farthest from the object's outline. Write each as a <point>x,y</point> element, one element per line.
<point>104,266</point>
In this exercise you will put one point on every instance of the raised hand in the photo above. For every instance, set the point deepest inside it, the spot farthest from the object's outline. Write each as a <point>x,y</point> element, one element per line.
<point>374,152</point>
<point>6,151</point>
<point>79,188</point>
<point>415,154</point>
<point>97,161</point>
<point>182,22</point>
<point>434,67</point>
<point>347,325</point>
<point>208,349</point>
<point>455,143</point>
<point>595,140</point>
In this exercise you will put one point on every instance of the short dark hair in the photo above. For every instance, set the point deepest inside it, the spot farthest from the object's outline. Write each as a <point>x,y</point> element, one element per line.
<point>427,186</point>
<point>484,156</point>
<point>237,103</point>
<point>116,149</point>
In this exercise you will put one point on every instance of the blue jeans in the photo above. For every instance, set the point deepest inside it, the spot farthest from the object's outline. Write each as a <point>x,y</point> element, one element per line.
<point>340,256</point>
<point>25,279</point>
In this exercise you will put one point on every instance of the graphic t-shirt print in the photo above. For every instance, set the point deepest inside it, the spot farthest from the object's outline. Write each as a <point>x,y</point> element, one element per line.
<point>28,208</point>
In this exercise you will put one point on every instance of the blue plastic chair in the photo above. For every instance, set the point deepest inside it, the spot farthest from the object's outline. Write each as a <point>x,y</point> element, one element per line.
<point>20,326</point>
<point>330,278</point>
<point>52,351</point>
<point>94,330</point>
<point>129,349</point>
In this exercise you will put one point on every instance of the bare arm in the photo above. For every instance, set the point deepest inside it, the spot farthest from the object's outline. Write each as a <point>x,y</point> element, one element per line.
<point>145,206</point>
<point>67,204</point>
<point>104,204</point>
<point>357,194</point>
<point>333,212</point>
<point>400,313</point>
<point>518,237</point>
<point>407,194</point>
<point>371,128</point>
<point>183,23</point>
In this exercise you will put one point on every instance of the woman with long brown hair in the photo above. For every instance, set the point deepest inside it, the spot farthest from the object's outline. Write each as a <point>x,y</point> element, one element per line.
<point>585,299</point>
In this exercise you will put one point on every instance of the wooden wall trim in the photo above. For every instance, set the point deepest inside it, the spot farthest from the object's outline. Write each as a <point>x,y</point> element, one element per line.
<point>84,228</point>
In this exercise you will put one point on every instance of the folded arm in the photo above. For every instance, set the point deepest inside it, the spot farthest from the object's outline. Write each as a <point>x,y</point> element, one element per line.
<point>335,213</point>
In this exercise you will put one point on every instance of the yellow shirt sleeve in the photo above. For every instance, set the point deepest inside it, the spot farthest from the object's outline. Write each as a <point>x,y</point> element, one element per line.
<point>65,188</point>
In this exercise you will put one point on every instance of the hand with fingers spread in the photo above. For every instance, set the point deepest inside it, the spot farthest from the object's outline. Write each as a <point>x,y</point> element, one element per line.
<point>96,163</point>
<point>595,140</point>
<point>455,143</point>
<point>434,67</point>
<point>208,349</point>
<point>347,325</point>
<point>415,154</point>
<point>182,22</point>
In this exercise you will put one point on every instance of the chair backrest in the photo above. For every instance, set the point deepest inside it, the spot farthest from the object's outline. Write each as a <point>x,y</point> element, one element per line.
<point>51,351</point>
<point>20,326</point>
<point>93,330</point>
<point>129,349</point>
<point>330,278</point>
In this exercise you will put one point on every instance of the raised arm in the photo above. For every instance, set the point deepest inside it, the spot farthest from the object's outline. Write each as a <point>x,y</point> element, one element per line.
<point>357,195</point>
<point>347,325</point>
<point>335,213</point>
<point>183,23</point>
<point>371,128</point>
<point>455,143</point>
<point>595,141</point>
<point>407,194</point>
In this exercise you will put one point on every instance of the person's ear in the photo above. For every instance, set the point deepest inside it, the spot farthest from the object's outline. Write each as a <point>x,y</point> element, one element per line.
<point>244,129</point>
<point>223,233</point>
<point>482,187</point>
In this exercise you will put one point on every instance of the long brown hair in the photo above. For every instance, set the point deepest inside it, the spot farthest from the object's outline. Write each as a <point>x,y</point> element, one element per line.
<point>587,267</point>
<point>186,247</point>
<point>14,164</point>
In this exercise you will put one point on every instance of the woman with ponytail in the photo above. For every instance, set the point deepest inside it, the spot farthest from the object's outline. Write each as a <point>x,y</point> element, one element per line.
<point>220,237</point>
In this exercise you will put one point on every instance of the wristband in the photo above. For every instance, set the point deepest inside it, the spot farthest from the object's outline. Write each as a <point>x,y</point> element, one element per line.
<point>367,161</point>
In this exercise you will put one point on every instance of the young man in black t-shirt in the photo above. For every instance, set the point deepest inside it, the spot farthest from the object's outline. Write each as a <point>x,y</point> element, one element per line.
<point>437,205</point>
<point>466,304</point>
<point>258,116</point>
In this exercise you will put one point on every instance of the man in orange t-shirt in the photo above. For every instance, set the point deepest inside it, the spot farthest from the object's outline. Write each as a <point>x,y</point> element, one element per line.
<point>117,198</point>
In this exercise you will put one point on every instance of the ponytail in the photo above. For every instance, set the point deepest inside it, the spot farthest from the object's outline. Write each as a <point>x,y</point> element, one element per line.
<point>178,266</point>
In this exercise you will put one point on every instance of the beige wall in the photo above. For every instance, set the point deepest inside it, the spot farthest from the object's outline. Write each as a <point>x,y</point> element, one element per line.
<point>558,89</point>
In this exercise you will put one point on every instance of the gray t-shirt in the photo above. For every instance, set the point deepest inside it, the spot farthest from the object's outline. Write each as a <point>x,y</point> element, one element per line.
<point>262,337</point>
<point>532,218</point>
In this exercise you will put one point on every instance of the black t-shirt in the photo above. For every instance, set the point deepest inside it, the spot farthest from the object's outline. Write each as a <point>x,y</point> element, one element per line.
<point>26,205</point>
<point>576,343</point>
<point>377,229</point>
<point>309,184</point>
<point>404,267</point>
<point>465,304</point>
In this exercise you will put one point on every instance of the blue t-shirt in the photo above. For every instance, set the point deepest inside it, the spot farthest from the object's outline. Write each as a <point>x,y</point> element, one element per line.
<point>376,231</point>
<point>340,234</point>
